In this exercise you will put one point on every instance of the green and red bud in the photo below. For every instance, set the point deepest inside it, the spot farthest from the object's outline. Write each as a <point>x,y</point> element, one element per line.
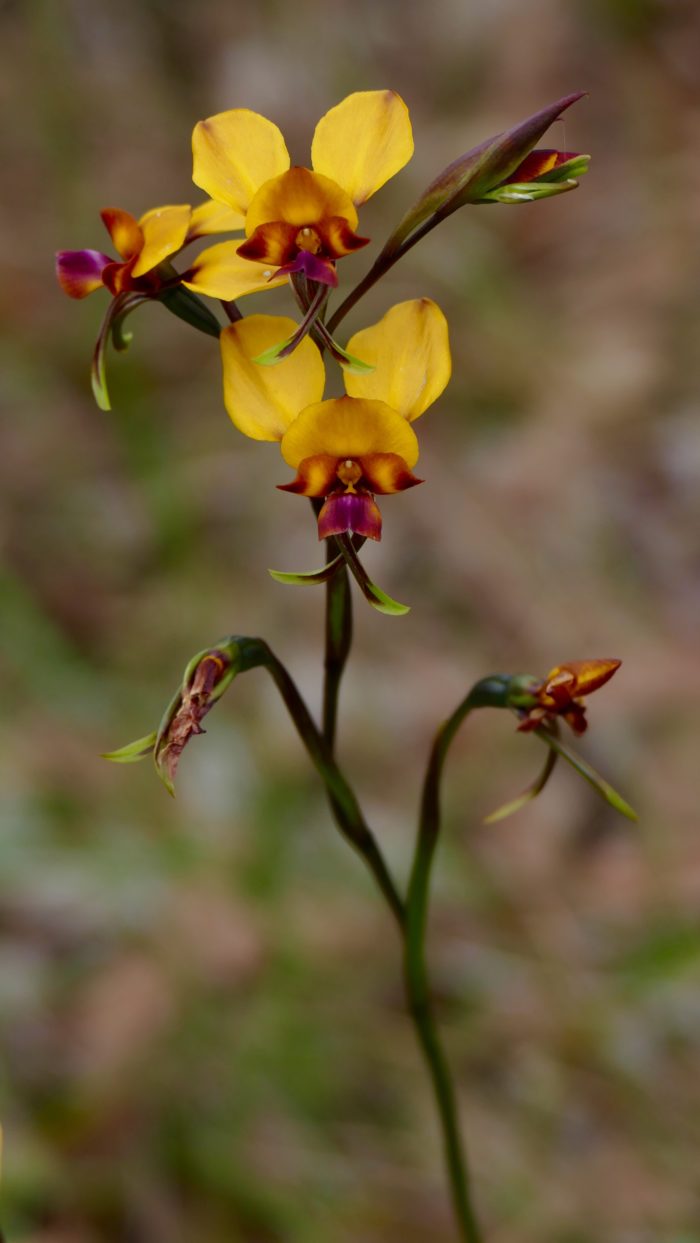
<point>496,170</point>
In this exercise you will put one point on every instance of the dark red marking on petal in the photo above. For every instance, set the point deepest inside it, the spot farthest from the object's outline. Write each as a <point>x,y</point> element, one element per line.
<point>387,472</point>
<point>79,272</point>
<point>272,243</point>
<point>350,511</point>
<point>338,238</point>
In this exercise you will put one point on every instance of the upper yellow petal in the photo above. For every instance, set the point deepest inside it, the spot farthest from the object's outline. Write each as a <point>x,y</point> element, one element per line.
<point>346,428</point>
<point>164,232</point>
<point>410,352</point>
<point>263,401</point>
<point>235,153</point>
<point>220,272</point>
<point>210,217</point>
<point>363,141</point>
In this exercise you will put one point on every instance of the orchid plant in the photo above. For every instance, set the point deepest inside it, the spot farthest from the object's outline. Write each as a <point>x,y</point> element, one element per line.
<point>294,225</point>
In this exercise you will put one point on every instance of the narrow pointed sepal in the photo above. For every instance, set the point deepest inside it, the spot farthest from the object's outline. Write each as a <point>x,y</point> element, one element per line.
<point>112,328</point>
<point>379,599</point>
<point>589,774</point>
<point>133,751</point>
<point>528,794</point>
<point>309,578</point>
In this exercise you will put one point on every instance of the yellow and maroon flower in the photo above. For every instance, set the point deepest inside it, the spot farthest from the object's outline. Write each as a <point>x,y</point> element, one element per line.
<point>298,219</point>
<point>142,245</point>
<point>348,449</point>
<point>563,691</point>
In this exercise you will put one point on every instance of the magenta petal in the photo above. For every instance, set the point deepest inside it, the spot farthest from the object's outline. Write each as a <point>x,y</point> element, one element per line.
<point>315,269</point>
<point>79,272</point>
<point>350,511</point>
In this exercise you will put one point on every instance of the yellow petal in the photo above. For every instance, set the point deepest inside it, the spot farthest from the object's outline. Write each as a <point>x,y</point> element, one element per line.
<point>220,272</point>
<point>164,231</point>
<point>299,197</point>
<point>234,154</point>
<point>210,217</point>
<point>410,352</point>
<point>347,428</point>
<point>263,401</point>
<point>363,141</point>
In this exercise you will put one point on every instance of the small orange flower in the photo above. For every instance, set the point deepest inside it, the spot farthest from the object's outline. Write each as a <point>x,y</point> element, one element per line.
<point>562,693</point>
<point>142,245</point>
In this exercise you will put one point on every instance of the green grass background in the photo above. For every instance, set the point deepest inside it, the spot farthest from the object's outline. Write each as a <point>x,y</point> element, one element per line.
<point>201,1020</point>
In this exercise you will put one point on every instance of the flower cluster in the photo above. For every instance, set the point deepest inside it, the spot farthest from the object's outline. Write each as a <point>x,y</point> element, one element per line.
<point>297,223</point>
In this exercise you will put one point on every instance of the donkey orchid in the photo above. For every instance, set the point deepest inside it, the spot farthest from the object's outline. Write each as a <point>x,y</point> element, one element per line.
<point>298,219</point>
<point>142,245</point>
<point>562,693</point>
<point>347,449</point>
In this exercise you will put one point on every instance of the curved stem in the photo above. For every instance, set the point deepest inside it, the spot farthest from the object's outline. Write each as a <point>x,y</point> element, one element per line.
<point>487,693</point>
<point>344,804</point>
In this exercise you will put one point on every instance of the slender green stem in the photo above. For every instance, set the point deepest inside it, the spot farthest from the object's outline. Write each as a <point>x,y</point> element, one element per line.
<point>338,640</point>
<point>489,692</point>
<point>344,804</point>
<point>418,993</point>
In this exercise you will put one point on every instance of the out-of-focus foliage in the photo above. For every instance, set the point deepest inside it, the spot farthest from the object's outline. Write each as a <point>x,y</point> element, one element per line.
<point>200,1010</point>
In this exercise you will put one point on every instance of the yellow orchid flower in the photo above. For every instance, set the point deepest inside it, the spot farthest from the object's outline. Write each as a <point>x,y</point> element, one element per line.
<point>296,219</point>
<point>142,245</point>
<point>347,449</point>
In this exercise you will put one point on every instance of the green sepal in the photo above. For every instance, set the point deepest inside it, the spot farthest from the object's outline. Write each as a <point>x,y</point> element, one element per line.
<point>98,380</point>
<point>309,577</point>
<point>577,166</point>
<point>354,365</point>
<point>379,599</point>
<point>382,602</point>
<point>274,354</point>
<point>112,327</point>
<point>133,751</point>
<point>535,788</point>
<point>589,774</point>
<point>527,191</point>
<point>188,307</point>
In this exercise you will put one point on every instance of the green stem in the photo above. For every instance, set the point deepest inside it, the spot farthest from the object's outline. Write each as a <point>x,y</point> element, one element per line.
<point>338,639</point>
<point>344,804</point>
<point>489,692</point>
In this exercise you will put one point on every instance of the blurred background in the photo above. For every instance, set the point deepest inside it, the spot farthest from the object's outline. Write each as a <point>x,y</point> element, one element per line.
<point>202,1026</point>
